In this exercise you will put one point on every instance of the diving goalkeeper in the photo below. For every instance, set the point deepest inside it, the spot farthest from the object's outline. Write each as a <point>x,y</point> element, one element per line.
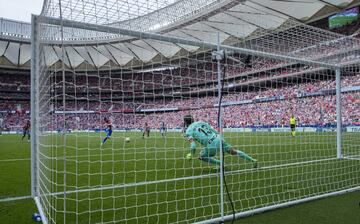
<point>210,139</point>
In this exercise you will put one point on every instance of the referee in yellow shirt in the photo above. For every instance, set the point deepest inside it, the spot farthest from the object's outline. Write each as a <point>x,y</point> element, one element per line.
<point>292,125</point>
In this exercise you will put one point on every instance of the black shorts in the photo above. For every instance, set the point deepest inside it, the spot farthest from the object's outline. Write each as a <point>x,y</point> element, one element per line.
<point>292,126</point>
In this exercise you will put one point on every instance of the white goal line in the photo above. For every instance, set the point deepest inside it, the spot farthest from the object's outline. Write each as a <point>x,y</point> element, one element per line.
<point>355,157</point>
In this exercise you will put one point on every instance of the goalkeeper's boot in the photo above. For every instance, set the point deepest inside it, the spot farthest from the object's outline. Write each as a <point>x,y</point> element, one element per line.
<point>215,169</point>
<point>255,163</point>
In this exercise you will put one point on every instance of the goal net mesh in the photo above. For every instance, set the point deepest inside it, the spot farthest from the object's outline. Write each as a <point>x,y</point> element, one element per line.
<point>104,62</point>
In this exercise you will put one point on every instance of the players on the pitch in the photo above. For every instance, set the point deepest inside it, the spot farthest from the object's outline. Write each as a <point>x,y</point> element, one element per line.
<point>293,125</point>
<point>66,128</point>
<point>210,139</point>
<point>26,130</point>
<point>163,129</point>
<point>146,130</point>
<point>108,130</point>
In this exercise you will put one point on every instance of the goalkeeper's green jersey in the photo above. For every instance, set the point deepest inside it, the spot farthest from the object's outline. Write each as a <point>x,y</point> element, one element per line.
<point>201,132</point>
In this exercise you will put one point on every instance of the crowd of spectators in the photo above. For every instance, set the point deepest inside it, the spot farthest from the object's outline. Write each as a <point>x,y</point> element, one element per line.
<point>312,110</point>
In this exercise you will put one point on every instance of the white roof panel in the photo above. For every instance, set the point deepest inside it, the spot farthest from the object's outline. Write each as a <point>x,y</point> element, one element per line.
<point>50,56</point>
<point>339,2</point>
<point>298,9</point>
<point>123,48</point>
<point>65,59</point>
<point>74,57</point>
<point>12,52</point>
<point>259,17</point>
<point>165,48</point>
<point>25,53</point>
<point>236,30</point>
<point>143,44</point>
<point>251,20</point>
<point>98,58</point>
<point>121,57</point>
<point>104,51</point>
<point>266,22</point>
<point>206,36</point>
<point>255,8</point>
<point>3,45</point>
<point>205,33</point>
<point>142,53</point>
<point>84,54</point>
<point>179,33</point>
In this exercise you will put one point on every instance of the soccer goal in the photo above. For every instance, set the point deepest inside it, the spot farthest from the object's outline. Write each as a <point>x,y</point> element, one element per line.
<point>113,80</point>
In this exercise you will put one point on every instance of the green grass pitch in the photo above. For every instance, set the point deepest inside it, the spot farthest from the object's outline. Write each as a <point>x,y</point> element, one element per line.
<point>177,190</point>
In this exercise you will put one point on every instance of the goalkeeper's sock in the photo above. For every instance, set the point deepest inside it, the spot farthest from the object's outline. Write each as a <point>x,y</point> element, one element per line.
<point>210,160</point>
<point>245,156</point>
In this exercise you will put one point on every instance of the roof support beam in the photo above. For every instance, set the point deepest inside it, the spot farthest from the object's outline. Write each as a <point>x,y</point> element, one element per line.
<point>277,11</point>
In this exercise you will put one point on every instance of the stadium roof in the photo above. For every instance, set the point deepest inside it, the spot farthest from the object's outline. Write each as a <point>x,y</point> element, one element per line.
<point>275,26</point>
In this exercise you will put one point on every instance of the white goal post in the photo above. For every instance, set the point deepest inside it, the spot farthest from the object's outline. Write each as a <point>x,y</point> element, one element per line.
<point>89,73</point>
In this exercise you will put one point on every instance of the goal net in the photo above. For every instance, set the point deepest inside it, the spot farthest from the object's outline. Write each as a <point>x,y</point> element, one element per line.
<point>113,80</point>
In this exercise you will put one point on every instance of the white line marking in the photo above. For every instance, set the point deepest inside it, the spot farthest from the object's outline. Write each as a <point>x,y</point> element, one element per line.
<point>14,160</point>
<point>41,211</point>
<point>352,157</point>
<point>14,198</point>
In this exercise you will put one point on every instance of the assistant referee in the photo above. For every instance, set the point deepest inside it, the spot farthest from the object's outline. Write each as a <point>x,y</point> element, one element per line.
<point>292,125</point>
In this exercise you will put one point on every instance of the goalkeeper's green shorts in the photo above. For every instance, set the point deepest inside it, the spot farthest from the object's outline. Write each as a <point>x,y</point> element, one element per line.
<point>211,149</point>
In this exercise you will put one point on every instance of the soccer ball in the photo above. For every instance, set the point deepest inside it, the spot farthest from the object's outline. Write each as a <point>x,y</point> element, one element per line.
<point>127,139</point>
<point>36,217</point>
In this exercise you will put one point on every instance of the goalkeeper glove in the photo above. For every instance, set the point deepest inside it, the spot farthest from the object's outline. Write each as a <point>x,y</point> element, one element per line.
<point>188,156</point>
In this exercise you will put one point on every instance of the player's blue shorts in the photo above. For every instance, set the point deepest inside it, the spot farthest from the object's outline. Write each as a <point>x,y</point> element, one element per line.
<point>214,147</point>
<point>108,132</point>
